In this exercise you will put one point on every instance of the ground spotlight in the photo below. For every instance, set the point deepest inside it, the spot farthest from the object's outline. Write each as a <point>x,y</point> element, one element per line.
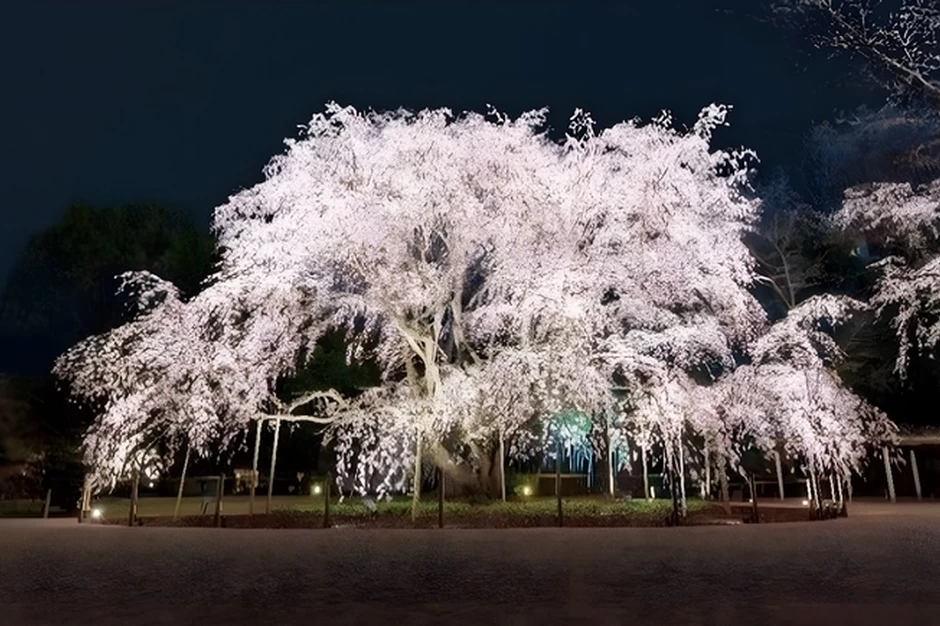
<point>96,514</point>
<point>317,489</point>
<point>526,490</point>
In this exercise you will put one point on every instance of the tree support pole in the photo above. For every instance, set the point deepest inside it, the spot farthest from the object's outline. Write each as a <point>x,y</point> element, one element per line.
<point>440,498</point>
<point>916,474</point>
<point>277,432</point>
<point>561,519</point>
<point>610,465</point>
<point>132,515</point>
<point>684,507</point>
<point>179,492</point>
<point>327,495</point>
<point>416,496</point>
<point>884,454</point>
<point>254,469</point>
<point>220,488</point>
<point>708,473</point>
<point>502,466</point>
<point>646,476</point>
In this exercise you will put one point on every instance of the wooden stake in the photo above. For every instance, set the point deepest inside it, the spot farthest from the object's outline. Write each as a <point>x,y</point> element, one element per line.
<point>45,508</point>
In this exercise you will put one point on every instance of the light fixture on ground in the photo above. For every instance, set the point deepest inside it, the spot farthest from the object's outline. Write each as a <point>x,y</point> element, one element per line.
<point>317,489</point>
<point>96,514</point>
<point>526,490</point>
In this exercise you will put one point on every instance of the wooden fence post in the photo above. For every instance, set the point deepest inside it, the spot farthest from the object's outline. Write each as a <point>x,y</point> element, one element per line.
<point>45,508</point>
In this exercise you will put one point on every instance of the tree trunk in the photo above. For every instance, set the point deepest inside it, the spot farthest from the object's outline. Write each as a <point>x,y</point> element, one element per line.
<point>646,475</point>
<point>723,481</point>
<point>179,492</point>
<point>254,469</point>
<point>755,514</point>
<point>416,496</point>
<point>277,433</point>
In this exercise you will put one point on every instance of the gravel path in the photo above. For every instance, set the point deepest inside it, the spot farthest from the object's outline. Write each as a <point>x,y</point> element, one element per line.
<point>874,569</point>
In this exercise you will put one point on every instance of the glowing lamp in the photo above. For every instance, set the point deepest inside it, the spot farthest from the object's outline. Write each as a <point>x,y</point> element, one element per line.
<point>317,489</point>
<point>96,514</point>
<point>526,490</point>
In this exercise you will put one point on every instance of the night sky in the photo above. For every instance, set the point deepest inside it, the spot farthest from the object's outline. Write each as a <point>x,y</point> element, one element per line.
<point>113,103</point>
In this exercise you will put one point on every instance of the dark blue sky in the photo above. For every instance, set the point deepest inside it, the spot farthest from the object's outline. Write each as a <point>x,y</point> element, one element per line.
<point>114,103</point>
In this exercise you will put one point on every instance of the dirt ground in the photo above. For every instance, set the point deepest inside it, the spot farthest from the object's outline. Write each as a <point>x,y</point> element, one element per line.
<point>871,568</point>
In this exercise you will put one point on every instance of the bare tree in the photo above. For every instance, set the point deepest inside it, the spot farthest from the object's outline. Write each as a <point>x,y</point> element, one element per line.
<point>788,243</point>
<point>897,39</point>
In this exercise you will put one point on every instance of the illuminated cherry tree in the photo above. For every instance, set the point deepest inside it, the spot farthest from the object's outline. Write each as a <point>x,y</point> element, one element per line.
<point>144,379</point>
<point>907,222</point>
<point>790,397</point>
<point>451,240</point>
<point>187,374</point>
<point>504,282</point>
